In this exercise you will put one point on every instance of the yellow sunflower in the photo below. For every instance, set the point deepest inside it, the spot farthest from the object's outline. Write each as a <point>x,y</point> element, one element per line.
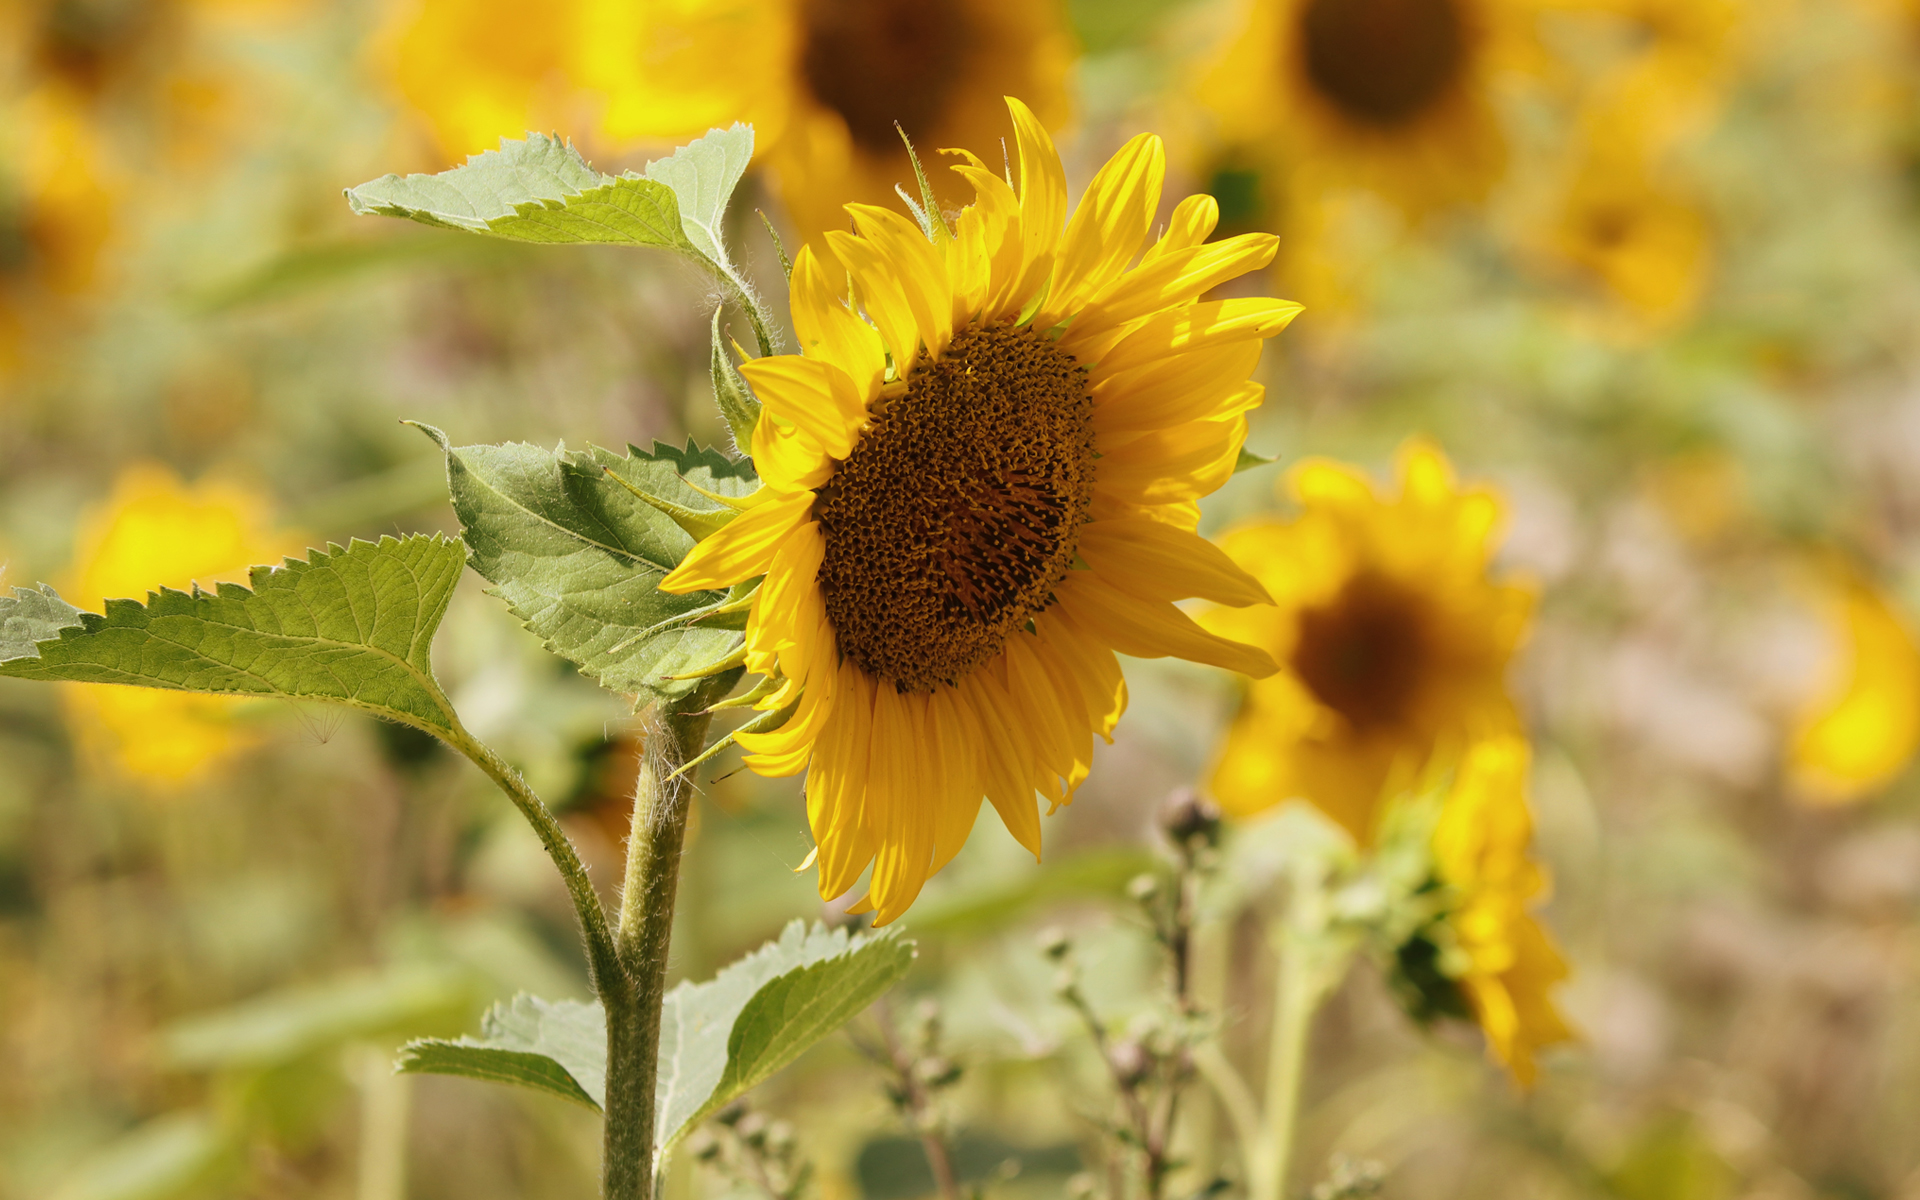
<point>1860,732</point>
<point>977,493</point>
<point>1390,95</point>
<point>58,204</point>
<point>156,532</point>
<point>1506,965</point>
<point>824,81</point>
<point>1392,639</point>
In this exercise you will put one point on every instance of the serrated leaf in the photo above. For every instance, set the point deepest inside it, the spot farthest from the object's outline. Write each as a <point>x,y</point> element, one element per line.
<point>703,174</point>
<point>352,625</point>
<point>578,557</point>
<point>537,190</point>
<point>735,399</point>
<point>553,1046</point>
<point>1249,460</point>
<point>719,1038</point>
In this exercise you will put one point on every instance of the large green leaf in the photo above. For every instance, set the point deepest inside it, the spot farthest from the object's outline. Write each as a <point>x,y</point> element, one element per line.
<point>351,625</point>
<point>538,190</point>
<point>288,1024</point>
<point>717,1039</point>
<point>553,1046</point>
<point>720,1038</point>
<point>578,557</point>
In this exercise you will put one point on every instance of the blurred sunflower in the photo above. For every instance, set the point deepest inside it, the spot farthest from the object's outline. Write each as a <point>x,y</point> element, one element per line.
<point>948,570</point>
<point>57,209</point>
<point>1861,731</point>
<point>1392,639</point>
<point>156,532</point>
<point>1501,959</point>
<point>823,82</point>
<point>480,70</point>
<point>1391,95</point>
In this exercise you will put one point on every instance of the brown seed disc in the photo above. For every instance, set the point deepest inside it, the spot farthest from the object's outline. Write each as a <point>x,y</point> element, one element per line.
<point>879,61</point>
<point>1383,62</point>
<point>1363,654</point>
<point>958,511</point>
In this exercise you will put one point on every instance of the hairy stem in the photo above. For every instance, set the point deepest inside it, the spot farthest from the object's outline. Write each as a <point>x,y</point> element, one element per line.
<point>602,961</point>
<point>660,804</point>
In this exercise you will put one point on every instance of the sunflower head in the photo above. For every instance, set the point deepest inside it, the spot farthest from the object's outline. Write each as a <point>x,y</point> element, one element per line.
<point>1391,637</point>
<point>980,482</point>
<point>156,532</point>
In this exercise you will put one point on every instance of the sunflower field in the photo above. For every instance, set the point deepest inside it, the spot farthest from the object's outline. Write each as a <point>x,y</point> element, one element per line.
<point>959,599</point>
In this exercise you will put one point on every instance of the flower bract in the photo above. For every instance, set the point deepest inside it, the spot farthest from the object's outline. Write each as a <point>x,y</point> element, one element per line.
<point>979,485</point>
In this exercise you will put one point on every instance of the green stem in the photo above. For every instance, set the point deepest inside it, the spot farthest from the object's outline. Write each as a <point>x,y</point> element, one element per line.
<point>661,802</point>
<point>603,963</point>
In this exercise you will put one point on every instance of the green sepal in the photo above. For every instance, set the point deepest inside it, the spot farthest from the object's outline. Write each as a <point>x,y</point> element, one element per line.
<point>1248,460</point>
<point>766,722</point>
<point>699,523</point>
<point>735,399</point>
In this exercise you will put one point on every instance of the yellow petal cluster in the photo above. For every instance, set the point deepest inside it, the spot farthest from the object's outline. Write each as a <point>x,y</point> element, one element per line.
<point>154,531</point>
<point>1085,312</point>
<point>1864,727</point>
<point>1391,637</point>
<point>1510,966</point>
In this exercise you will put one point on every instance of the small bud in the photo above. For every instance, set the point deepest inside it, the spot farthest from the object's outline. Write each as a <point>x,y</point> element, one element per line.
<point>1054,942</point>
<point>752,1129</point>
<point>703,1146</point>
<point>779,1137</point>
<point>1131,1061</point>
<point>1143,888</point>
<point>1065,981</point>
<point>1191,821</point>
<point>936,1072</point>
<point>731,1114</point>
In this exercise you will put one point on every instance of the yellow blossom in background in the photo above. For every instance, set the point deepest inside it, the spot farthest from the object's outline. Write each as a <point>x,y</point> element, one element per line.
<point>1862,730</point>
<point>976,495</point>
<point>57,209</point>
<point>1391,637</point>
<point>480,70</point>
<point>1394,96</point>
<point>156,532</point>
<point>1507,965</point>
<point>823,83</point>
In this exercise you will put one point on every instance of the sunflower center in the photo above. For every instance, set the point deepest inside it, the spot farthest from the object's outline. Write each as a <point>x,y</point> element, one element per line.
<point>1382,62</point>
<point>958,511</point>
<point>879,61</point>
<point>1364,653</point>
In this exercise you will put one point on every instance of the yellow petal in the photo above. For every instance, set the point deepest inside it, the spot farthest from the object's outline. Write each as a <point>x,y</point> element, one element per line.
<point>1153,628</point>
<point>813,395</point>
<point>1107,229</point>
<point>741,549</point>
<point>1177,277</point>
<point>826,328</point>
<point>1158,562</point>
<point>1171,391</point>
<point>786,461</point>
<point>1171,465</point>
<point>917,267</point>
<point>1193,222</point>
<point>1043,201</point>
<point>1190,328</point>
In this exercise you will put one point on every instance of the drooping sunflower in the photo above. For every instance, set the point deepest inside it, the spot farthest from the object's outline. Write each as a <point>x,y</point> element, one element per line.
<point>155,531</point>
<point>1862,729</point>
<point>1390,95</point>
<point>1505,963</point>
<point>1391,638</point>
<point>978,492</point>
<point>824,81</point>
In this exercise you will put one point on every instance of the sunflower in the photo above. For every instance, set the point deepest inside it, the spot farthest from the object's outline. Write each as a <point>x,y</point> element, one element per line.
<point>1860,732</point>
<point>1394,96</point>
<point>1503,961</point>
<point>1391,638</point>
<point>823,82</point>
<point>979,492</point>
<point>156,532</point>
<point>57,210</point>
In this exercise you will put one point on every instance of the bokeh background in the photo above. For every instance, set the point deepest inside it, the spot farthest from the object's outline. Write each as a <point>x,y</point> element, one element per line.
<point>1648,267</point>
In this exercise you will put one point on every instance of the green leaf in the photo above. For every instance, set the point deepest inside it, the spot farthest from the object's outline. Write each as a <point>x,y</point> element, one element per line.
<point>736,400</point>
<point>538,190</point>
<point>1249,460</point>
<point>702,175</point>
<point>553,1046</point>
<point>578,557</point>
<point>719,1038</point>
<point>353,625</point>
<point>286,1025</point>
